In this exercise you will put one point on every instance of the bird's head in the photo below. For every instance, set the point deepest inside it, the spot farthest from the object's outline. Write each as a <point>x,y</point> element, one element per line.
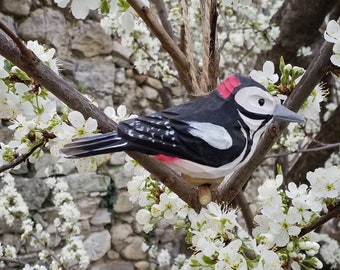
<point>255,105</point>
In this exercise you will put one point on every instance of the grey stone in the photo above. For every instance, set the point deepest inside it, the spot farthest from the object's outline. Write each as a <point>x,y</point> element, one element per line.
<point>122,52</point>
<point>117,158</point>
<point>119,233</point>
<point>149,92</point>
<point>120,176</point>
<point>142,265</point>
<point>120,76</point>
<point>50,166</point>
<point>49,25</point>
<point>29,186</point>
<point>18,7</point>
<point>97,245</point>
<point>123,204</point>
<point>84,183</point>
<point>102,216</point>
<point>90,39</point>
<point>133,251</point>
<point>87,206</point>
<point>154,83</point>
<point>112,254</point>
<point>95,76</point>
<point>112,265</point>
<point>10,239</point>
<point>9,22</point>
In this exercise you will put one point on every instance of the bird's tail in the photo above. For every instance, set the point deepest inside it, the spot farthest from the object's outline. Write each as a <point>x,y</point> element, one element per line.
<point>95,145</point>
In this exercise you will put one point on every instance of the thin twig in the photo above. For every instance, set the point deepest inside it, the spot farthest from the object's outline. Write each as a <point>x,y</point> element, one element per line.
<point>214,54</point>
<point>247,214</point>
<point>179,58</point>
<point>335,212</point>
<point>21,158</point>
<point>50,251</point>
<point>12,260</point>
<point>324,147</point>
<point>205,11</point>
<point>197,89</point>
<point>163,16</point>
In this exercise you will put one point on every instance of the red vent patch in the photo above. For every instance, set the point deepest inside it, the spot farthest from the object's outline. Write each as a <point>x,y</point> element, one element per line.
<point>227,86</point>
<point>164,158</point>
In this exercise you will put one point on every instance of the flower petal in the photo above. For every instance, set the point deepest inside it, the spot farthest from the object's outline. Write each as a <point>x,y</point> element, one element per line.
<point>76,118</point>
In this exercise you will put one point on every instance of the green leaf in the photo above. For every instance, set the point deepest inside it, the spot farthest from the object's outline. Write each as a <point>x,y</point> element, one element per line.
<point>282,64</point>
<point>124,5</point>
<point>208,260</point>
<point>104,6</point>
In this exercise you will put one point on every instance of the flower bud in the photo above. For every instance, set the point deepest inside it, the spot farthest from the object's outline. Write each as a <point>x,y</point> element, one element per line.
<point>287,69</point>
<point>292,254</point>
<point>310,252</point>
<point>315,246</point>
<point>302,245</point>
<point>297,72</point>
<point>317,263</point>
<point>290,246</point>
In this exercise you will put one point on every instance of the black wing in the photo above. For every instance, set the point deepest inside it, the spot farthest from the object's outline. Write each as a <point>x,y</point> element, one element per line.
<point>167,132</point>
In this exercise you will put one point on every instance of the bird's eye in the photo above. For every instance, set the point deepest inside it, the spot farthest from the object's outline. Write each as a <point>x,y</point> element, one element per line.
<point>261,101</point>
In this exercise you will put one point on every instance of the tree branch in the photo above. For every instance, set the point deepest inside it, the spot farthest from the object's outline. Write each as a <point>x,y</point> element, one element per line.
<point>163,16</point>
<point>316,70</point>
<point>179,58</point>
<point>50,251</point>
<point>12,260</point>
<point>62,89</point>
<point>335,212</point>
<point>20,159</point>
<point>296,32</point>
<point>308,150</point>
<point>247,214</point>
<point>309,160</point>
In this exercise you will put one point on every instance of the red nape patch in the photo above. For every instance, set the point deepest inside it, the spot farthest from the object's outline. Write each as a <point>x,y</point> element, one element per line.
<point>165,159</point>
<point>227,86</point>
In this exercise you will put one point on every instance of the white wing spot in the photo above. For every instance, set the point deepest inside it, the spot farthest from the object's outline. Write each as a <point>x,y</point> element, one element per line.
<point>214,135</point>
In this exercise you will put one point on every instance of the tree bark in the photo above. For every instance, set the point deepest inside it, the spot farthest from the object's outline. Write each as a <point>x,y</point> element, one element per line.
<point>299,22</point>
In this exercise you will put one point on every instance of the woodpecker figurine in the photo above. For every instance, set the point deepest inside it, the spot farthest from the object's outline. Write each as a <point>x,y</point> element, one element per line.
<point>204,139</point>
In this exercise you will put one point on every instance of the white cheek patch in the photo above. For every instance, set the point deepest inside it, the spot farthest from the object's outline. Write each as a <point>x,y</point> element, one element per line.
<point>212,134</point>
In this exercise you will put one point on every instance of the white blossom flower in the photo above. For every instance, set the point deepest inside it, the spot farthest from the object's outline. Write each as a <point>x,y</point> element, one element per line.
<point>163,258</point>
<point>236,39</point>
<point>296,192</point>
<point>143,217</point>
<point>311,107</point>
<point>325,183</point>
<point>332,34</point>
<point>119,115</point>
<point>230,258</point>
<point>335,58</point>
<point>12,204</point>
<point>269,261</point>
<point>45,55</point>
<point>80,8</point>
<point>267,76</point>
<point>305,51</point>
<point>330,250</point>
<point>268,192</point>
<point>285,225</point>
<point>3,72</point>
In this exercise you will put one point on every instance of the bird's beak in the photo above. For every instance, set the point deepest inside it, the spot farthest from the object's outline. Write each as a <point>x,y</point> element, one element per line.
<point>281,113</point>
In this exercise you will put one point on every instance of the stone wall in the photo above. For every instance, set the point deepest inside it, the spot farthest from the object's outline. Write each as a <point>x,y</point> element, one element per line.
<point>100,66</point>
